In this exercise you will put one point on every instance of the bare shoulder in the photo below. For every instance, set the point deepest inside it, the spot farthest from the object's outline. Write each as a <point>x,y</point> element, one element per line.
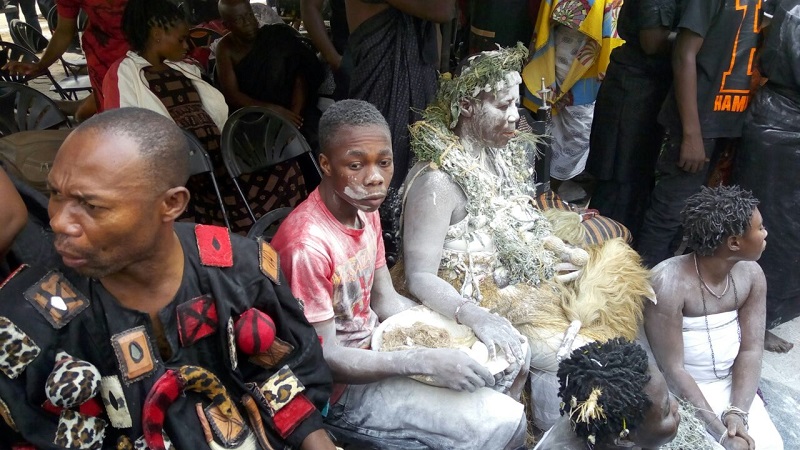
<point>224,45</point>
<point>669,279</point>
<point>749,275</point>
<point>434,185</point>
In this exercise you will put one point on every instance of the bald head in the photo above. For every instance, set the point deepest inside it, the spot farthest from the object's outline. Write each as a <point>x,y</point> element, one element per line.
<point>239,19</point>
<point>161,145</point>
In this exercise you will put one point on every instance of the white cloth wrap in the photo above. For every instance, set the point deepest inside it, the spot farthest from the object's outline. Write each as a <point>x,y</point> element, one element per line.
<point>724,331</point>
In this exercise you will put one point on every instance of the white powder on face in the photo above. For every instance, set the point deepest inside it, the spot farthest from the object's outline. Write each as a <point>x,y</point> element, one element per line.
<point>355,192</point>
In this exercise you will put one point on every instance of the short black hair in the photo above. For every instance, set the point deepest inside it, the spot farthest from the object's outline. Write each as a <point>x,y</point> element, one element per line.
<point>714,214</point>
<point>142,15</point>
<point>347,113</point>
<point>161,144</point>
<point>611,375</point>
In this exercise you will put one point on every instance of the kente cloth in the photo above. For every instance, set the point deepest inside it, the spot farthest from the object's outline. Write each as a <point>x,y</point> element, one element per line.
<point>103,42</point>
<point>597,20</point>
<point>281,185</point>
<point>191,336</point>
<point>394,67</point>
<point>724,335</point>
<point>767,160</point>
<point>268,71</point>
<point>331,267</point>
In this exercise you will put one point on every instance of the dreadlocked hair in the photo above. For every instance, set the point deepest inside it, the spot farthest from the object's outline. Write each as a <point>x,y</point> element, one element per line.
<point>141,16</point>
<point>714,214</point>
<point>602,388</point>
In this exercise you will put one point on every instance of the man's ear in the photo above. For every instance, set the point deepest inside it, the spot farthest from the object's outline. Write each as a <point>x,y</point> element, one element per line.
<point>467,107</point>
<point>325,164</point>
<point>174,203</point>
<point>733,243</point>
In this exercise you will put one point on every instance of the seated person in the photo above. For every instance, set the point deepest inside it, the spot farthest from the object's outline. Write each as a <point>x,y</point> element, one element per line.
<point>13,215</point>
<point>707,329</point>
<point>611,399</point>
<point>474,239</point>
<point>151,330</point>
<point>268,66</point>
<point>154,76</point>
<point>331,250</point>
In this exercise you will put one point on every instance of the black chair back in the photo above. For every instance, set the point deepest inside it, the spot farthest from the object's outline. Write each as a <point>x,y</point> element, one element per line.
<point>23,108</point>
<point>14,53</point>
<point>199,163</point>
<point>265,227</point>
<point>255,138</point>
<point>27,36</point>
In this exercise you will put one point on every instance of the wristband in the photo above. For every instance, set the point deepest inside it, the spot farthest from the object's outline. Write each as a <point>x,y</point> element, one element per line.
<point>458,310</point>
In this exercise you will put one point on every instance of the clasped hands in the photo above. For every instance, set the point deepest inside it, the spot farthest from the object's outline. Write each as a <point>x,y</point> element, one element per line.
<point>735,436</point>
<point>456,370</point>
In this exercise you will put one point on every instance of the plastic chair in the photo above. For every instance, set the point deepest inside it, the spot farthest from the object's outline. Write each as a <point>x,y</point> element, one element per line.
<point>67,88</point>
<point>23,108</point>
<point>29,37</point>
<point>263,226</point>
<point>52,23</point>
<point>255,138</point>
<point>22,33</point>
<point>200,162</point>
<point>52,19</point>
<point>82,21</point>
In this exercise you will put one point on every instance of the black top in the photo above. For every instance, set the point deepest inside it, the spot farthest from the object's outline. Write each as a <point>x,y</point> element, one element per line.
<point>724,64</point>
<point>638,15</point>
<point>780,56</point>
<point>90,336</point>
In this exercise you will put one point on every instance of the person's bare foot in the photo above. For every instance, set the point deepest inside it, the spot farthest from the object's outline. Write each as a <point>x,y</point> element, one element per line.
<point>773,343</point>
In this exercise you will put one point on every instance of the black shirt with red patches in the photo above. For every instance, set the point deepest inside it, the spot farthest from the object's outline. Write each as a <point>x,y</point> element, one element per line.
<point>207,299</point>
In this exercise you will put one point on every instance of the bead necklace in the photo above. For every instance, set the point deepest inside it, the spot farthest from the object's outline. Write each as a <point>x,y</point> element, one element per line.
<point>727,281</point>
<point>708,330</point>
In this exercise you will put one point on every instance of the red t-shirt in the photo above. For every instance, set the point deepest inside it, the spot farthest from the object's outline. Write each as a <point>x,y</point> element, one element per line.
<point>330,267</point>
<point>103,42</point>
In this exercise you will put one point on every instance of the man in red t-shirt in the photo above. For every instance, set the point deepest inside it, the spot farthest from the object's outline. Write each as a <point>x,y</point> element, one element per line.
<point>103,42</point>
<point>331,251</point>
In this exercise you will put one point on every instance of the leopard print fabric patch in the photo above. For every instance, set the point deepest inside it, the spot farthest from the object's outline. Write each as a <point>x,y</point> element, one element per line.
<point>281,388</point>
<point>200,380</point>
<point>17,350</point>
<point>76,431</point>
<point>72,381</point>
<point>140,444</point>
